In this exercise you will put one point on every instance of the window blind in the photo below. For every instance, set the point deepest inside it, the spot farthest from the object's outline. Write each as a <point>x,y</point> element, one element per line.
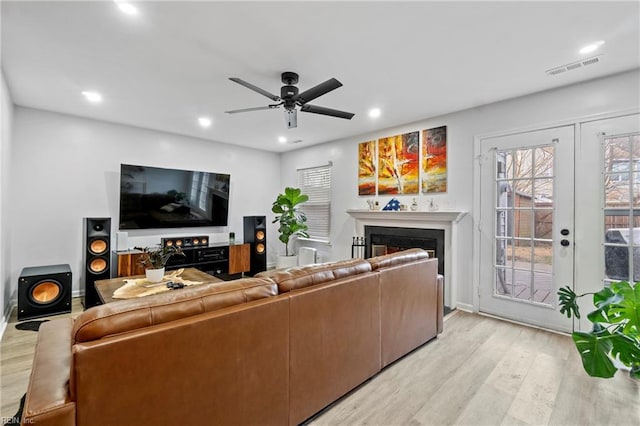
<point>316,183</point>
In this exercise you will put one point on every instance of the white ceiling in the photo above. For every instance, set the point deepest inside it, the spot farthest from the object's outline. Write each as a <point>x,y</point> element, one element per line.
<point>170,64</point>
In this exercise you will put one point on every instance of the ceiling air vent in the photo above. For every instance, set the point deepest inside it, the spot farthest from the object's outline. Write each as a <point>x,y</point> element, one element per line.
<point>574,65</point>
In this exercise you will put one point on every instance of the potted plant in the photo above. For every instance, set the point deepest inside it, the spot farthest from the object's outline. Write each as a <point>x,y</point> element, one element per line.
<point>614,341</point>
<point>154,260</point>
<point>291,222</point>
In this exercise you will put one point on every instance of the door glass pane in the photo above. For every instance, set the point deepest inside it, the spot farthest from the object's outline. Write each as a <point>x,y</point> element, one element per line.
<point>524,224</point>
<point>543,256</point>
<point>503,281</point>
<point>522,284</point>
<point>543,158</point>
<point>508,158</point>
<point>503,194</point>
<point>521,162</point>
<point>543,190</point>
<point>622,207</point>
<point>542,292</point>
<point>543,225</point>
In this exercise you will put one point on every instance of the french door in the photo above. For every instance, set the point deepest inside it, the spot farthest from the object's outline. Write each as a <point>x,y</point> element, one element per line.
<point>608,201</point>
<point>527,225</point>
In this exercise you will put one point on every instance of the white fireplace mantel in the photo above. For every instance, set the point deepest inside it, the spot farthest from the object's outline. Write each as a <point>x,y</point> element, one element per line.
<point>421,216</point>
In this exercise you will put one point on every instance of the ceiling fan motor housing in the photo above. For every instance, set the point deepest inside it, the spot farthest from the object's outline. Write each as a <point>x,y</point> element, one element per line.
<point>289,78</point>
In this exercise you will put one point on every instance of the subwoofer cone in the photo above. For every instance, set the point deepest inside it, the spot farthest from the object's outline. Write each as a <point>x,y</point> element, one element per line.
<point>260,248</point>
<point>46,292</point>
<point>259,235</point>
<point>98,265</point>
<point>98,246</point>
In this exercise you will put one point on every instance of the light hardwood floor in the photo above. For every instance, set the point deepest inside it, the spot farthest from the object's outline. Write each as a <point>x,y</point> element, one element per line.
<point>483,371</point>
<point>480,371</point>
<point>16,357</point>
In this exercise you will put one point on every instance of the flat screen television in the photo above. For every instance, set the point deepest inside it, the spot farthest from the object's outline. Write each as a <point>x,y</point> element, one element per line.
<point>156,198</point>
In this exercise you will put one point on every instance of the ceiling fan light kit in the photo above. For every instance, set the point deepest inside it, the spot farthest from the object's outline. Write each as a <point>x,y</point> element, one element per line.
<point>290,98</point>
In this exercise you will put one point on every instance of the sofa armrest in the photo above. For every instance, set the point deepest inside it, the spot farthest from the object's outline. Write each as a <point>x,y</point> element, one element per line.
<point>440,313</point>
<point>48,401</point>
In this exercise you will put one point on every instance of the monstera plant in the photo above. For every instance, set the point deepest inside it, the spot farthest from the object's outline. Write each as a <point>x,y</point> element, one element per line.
<point>614,340</point>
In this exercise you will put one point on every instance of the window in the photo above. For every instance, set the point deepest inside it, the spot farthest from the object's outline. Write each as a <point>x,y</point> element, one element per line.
<point>316,183</point>
<point>622,207</point>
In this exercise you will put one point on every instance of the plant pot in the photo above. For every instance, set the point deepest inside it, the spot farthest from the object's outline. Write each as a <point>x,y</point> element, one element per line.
<point>286,261</point>
<point>154,275</point>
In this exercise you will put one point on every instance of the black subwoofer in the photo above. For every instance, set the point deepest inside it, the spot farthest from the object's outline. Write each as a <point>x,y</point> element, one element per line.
<point>255,233</point>
<point>44,291</point>
<point>96,257</point>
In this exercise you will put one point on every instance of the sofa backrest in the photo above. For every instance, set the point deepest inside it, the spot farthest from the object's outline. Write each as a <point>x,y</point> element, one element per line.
<point>305,276</point>
<point>397,258</point>
<point>132,314</point>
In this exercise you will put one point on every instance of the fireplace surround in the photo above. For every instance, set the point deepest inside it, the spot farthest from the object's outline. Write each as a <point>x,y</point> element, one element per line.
<point>445,221</point>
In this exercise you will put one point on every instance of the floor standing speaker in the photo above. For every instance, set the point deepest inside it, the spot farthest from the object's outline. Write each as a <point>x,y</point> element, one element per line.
<point>44,291</point>
<point>96,257</point>
<point>255,233</point>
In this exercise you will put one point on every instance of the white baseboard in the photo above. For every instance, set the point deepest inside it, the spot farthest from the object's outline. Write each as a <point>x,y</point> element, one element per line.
<point>465,307</point>
<point>6,314</point>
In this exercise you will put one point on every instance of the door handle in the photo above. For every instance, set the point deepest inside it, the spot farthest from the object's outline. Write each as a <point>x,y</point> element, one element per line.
<point>564,243</point>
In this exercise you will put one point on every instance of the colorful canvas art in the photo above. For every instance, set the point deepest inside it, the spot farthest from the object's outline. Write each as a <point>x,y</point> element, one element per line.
<point>434,160</point>
<point>398,165</point>
<point>367,168</point>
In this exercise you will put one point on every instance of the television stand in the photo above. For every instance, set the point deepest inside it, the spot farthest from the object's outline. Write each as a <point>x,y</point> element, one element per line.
<point>225,261</point>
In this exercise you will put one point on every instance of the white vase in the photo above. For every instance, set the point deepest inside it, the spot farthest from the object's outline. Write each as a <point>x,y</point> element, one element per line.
<point>286,261</point>
<point>154,275</point>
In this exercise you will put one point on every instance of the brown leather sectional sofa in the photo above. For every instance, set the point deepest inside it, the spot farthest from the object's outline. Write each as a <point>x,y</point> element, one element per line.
<point>269,350</point>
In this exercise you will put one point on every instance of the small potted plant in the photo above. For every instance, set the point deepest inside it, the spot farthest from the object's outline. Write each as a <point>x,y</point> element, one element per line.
<point>291,220</point>
<point>154,260</point>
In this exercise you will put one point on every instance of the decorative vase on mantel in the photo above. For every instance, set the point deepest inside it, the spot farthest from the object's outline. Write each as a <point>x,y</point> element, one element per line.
<point>154,275</point>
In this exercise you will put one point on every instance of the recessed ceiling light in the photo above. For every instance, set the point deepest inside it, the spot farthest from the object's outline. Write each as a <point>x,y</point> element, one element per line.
<point>592,47</point>
<point>92,96</point>
<point>282,139</point>
<point>125,7</point>
<point>204,121</point>
<point>374,112</point>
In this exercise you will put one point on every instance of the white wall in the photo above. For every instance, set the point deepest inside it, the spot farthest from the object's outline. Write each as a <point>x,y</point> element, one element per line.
<point>66,168</point>
<point>6,107</point>
<point>616,93</point>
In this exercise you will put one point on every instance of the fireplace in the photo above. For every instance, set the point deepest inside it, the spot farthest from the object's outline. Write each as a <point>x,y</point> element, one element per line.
<point>389,239</point>
<point>433,230</point>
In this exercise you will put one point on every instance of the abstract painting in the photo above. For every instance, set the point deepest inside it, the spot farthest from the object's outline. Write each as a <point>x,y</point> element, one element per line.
<point>398,164</point>
<point>434,160</point>
<point>367,168</point>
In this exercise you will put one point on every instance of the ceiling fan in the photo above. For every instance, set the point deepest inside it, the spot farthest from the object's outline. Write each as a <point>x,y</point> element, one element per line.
<point>290,98</point>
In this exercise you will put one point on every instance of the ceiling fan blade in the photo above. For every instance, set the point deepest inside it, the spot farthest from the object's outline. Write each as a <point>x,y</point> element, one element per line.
<point>255,88</point>
<point>291,117</point>
<point>251,109</point>
<point>319,90</point>
<point>326,111</point>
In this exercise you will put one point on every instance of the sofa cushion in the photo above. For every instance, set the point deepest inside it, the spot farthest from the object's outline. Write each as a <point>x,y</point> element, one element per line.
<point>127,315</point>
<point>398,258</point>
<point>306,276</point>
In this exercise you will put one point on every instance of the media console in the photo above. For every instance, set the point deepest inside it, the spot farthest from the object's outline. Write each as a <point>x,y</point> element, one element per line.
<point>226,261</point>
